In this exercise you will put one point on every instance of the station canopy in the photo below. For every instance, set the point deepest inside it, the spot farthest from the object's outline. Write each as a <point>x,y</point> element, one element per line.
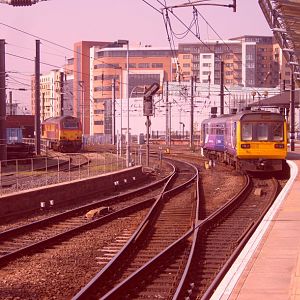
<point>283,17</point>
<point>279,101</point>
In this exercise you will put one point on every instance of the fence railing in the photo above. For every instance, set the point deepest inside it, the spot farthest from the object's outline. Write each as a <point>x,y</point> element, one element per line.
<point>23,174</point>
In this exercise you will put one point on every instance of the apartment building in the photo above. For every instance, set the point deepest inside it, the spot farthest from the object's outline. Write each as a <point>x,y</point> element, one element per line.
<point>284,69</point>
<point>98,73</point>
<point>204,61</point>
<point>81,81</point>
<point>248,61</point>
<point>51,94</point>
<point>146,65</point>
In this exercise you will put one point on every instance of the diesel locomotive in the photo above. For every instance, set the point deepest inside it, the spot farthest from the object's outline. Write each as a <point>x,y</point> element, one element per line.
<point>248,140</point>
<point>62,134</point>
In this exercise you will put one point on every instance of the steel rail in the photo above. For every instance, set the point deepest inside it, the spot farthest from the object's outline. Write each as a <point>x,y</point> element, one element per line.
<point>104,274</point>
<point>65,215</point>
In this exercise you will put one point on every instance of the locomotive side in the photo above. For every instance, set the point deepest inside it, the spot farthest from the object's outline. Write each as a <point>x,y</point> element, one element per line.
<point>249,140</point>
<point>63,134</point>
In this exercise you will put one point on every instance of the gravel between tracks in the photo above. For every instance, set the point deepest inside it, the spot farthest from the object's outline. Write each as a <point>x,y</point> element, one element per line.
<point>44,276</point>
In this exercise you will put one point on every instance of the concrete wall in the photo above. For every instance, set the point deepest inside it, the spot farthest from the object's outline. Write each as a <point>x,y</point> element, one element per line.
<point>65,192</point>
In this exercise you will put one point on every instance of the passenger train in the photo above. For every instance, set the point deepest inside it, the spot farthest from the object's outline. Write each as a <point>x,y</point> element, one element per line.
<point>62,134</point>
<point>249,140</point>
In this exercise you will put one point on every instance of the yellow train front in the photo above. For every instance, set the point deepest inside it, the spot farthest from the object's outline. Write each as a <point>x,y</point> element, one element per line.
<point>63,134</point>
<point>256,140</point>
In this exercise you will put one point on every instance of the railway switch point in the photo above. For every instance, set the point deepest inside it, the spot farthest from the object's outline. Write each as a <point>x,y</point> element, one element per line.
<point>42,205</point>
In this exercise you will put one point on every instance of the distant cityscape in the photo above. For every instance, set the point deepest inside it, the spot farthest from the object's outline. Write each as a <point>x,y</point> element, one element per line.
<point>254,67</point>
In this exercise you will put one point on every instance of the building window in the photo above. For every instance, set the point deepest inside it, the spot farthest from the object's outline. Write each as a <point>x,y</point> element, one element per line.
<point>107,66</point>
<point>186,56</point>
<point>157,65</point>
<point>103,88</point>
<point>206,56</point>
<point>186,65</point>
<point>144,65</point>
<point>106,77</point>
<point>206,65</point>
<point>98,122</point>
<point>98,111</point>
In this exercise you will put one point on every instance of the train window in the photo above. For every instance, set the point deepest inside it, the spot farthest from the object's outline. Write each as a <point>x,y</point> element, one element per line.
<point>262,131</point>
<point>246,131</point>
<point>70,124</point>
<point>277,131</point>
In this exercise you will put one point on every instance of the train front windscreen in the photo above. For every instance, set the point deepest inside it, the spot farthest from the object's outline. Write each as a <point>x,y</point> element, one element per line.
<point>71,124</point>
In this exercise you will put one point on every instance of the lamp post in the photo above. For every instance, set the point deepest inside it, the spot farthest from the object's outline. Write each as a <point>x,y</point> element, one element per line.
<point>82,106</point>
<point>126,42</point>
<point>183,125</point>
<point>253,93</point>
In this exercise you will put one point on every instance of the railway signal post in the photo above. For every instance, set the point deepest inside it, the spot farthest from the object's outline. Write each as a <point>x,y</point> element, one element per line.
<point>148,111</point>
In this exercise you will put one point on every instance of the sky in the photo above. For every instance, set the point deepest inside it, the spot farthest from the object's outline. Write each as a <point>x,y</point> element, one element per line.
<point>64,22</point>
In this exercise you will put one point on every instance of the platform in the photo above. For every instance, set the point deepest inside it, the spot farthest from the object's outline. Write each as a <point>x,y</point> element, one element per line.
<point>269,266</point>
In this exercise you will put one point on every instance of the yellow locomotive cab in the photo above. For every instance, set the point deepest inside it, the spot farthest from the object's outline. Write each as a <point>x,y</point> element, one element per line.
<point>268,146</point>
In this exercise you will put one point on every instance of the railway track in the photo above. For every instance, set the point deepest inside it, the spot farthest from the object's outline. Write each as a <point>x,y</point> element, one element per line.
<point>193,266</point>
<point>15,242</point>
<point>170,218</point>
<point>219,238</point>
<point>172,254</point>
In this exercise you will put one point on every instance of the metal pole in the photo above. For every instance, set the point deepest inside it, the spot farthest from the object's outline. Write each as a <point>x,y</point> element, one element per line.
<point>222,89</point>
<point>61,93</point>
<point>58,169</point>
<point>128,146</point>
<point>69,168</point>
<point>167,113</point>
<point>170,124</point>
<point>37,100</point>
<point>17,174</point>
<point>121,108</point>
<point>113,132</point>
<point>192,114</point>
<point>10,103</point>
<point>82,96</point>
<point>43,106</point>
<point>147,141</point>
<point>3,150</point>
<point>0,178</point>
<point>292,110</point>
<point>46,169</point>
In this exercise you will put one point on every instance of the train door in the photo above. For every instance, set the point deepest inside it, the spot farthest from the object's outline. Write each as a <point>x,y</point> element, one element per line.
<point>233,135</point>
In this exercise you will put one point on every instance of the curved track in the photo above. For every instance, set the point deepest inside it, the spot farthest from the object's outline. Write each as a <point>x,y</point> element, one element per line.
<point>171,217</point>
<point>192,266</point>
<point>219,238</point>
<point>34,236</point>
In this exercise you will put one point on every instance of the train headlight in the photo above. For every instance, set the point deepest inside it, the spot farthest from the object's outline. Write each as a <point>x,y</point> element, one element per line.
<point>245,146</point>
<point>279,146</point>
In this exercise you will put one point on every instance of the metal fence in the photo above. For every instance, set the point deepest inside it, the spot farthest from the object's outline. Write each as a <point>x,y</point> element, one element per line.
<point>23,174</point>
